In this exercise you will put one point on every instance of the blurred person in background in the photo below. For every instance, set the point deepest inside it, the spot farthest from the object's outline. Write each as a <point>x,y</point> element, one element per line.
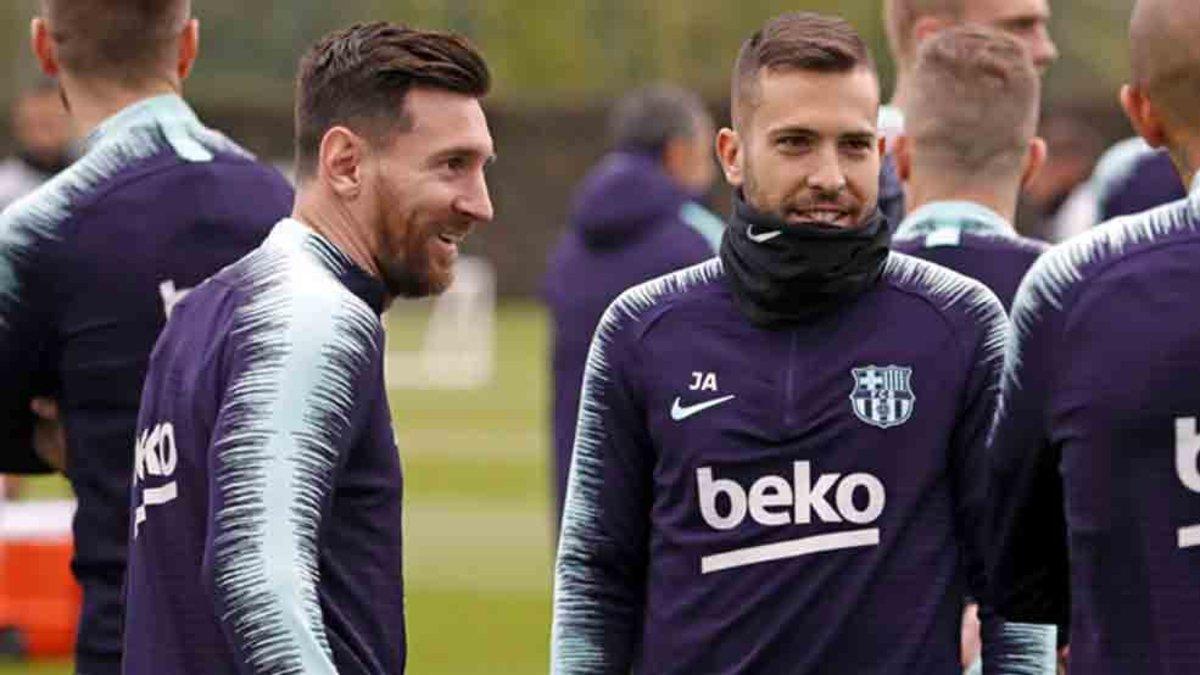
<point>635,216</point>
<point>1095,477</point>
<point>41,132</point>
<point>969,146</point>
<point>908,23</point>
<point>273,543</point>
<point>1130,177</point>
<point>92,263</point>
<point>779,461</point>
<point>1056,195</point>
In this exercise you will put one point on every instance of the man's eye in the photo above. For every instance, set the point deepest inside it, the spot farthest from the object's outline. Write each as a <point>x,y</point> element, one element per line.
<point>791,142</point>
<point>456,164</point>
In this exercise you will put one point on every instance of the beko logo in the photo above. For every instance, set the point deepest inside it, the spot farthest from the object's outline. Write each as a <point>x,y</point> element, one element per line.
<point>773,501</point>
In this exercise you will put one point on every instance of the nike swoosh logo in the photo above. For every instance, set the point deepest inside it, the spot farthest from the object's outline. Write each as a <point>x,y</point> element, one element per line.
<point>681,412</point>
<point>761,238</point>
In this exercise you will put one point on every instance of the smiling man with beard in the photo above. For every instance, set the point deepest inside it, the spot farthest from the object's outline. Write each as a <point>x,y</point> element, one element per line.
<point>778,467</point>
<point>266,500</point>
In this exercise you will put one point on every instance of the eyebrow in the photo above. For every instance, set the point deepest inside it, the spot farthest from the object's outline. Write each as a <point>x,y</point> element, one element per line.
<point>805,131</point>
<point>489,157</point>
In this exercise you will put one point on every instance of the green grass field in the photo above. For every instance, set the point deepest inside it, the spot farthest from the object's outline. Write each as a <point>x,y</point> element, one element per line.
<point>477,540</point>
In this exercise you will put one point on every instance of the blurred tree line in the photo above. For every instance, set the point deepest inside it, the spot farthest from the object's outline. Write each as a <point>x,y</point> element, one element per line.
<point>553,53</point>
<point>557,66</point>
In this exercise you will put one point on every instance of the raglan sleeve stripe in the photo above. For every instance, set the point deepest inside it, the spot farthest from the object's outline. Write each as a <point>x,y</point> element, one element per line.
<point>287,419</point>
<point>599,591</point>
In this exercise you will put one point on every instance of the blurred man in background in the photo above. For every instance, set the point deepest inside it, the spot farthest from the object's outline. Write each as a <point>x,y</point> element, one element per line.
<point>1130,177</point>
<point>41,130</point>
<point>279,548</point>
<point>779,465</point>
<point>92,263</point>
<point>910,22</point>
<point>1053,198</point>
<point>635,217</point>
<point>1095,476</point>
<point>969,146</point>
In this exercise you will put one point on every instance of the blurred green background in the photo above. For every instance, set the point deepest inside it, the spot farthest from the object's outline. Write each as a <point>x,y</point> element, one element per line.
<point>546,52</point>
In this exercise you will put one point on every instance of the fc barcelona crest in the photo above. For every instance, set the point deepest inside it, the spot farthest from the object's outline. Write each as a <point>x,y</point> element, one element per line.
<point>883,397</point>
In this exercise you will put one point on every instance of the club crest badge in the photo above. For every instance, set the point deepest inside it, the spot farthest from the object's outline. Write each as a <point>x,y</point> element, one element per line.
<point>883,397</point>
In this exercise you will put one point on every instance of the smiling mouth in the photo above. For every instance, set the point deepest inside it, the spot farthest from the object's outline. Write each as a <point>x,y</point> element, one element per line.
<point>821,215</point>
<point>451,238</point>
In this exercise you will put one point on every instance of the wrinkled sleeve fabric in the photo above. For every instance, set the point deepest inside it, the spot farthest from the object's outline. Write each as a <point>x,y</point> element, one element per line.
<point>1027,569</point>
<point>294,399</point>
<point>27,249</point>
<point>600,583</point>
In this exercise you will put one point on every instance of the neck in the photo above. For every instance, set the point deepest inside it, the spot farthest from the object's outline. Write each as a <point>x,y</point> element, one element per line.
<point>1186,157</point>
<point>900,92</point>
<point>336,221</point>
<point>1000,197</point>
<point>93,101</point>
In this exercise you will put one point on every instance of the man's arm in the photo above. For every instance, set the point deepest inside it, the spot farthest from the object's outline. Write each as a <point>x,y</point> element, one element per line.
<point>599,593</point>
<point>25,331</point>
<point>294,401</point>
<point>1027,570</point>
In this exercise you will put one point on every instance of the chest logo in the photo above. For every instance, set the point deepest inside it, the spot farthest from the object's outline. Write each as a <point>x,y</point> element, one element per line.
<point>883,396</point>
<point>680,412</point>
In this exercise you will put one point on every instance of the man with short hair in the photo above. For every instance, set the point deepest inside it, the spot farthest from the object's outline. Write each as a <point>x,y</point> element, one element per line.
<point>92,263</point>
<point>41,130</point>
<point>969,147</point>
<point>635,217</point>
<point>266,528</point>
<point>778,467</point>
<point>1095,501</point>
<point>908,23</point>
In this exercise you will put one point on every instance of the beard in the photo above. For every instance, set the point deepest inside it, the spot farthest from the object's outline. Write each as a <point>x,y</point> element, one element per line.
<point>407,263</point>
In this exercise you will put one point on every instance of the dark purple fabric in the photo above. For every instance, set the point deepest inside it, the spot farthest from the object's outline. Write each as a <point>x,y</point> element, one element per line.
<point>998,262</point>
<point>1152,181</point>
<point>625,228</point>
<point>1094,458</point>
<point>743,503</point>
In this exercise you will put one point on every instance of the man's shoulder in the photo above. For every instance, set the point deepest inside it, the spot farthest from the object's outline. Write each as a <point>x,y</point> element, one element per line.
<point>282,283</point>
<point>964,302</point>
<point>641,305</point>
<point>1119,244</point>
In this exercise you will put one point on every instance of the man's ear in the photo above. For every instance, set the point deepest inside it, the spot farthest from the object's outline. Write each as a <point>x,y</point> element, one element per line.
<point>340,163</point>
<point>189,49</point>
<point>729,153</point>
<point>1035,159</point>
<point>43,47</point>
<point>1143,115</point>
<point>902,153</point>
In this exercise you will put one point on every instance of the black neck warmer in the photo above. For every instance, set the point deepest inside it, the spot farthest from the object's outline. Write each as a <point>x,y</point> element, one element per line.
<point>783,273</point>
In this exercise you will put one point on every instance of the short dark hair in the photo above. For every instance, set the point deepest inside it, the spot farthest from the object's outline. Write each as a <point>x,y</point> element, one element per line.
<point>359,77</point>
<point>124,40</point>
<point>977,101</point>
<point>646,119</point>
<point>796,41</point>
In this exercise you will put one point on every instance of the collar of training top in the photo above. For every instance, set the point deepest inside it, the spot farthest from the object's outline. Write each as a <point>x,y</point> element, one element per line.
<point>291,233</point>
<point>169,112</point>
<point>960,216</point>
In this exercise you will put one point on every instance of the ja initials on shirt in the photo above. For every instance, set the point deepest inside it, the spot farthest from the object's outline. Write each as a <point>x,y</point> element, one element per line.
<point>703,382</point>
